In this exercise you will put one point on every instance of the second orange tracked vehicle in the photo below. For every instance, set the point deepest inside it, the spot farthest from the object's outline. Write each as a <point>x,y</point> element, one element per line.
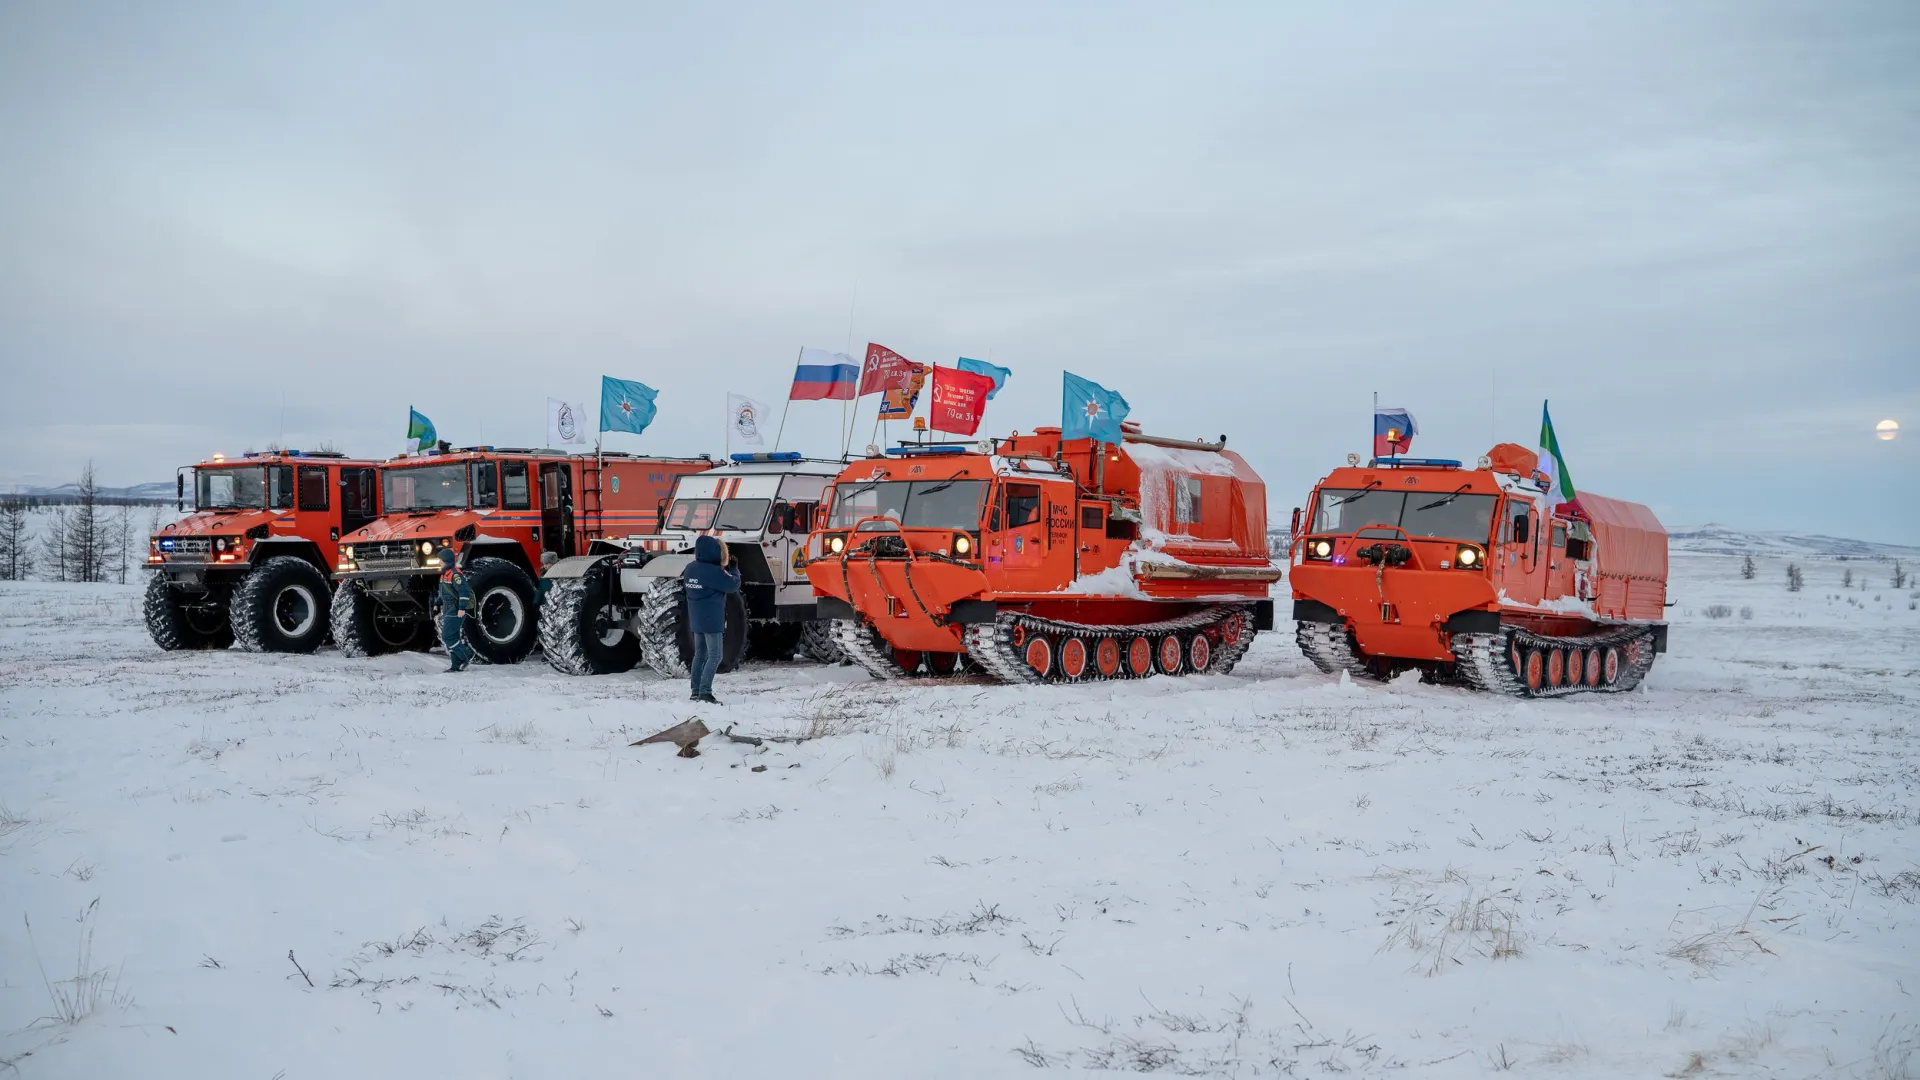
<point>1038,559</point>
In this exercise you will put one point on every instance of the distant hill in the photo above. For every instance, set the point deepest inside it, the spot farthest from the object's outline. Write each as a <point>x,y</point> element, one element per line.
<point>157,492</point>
<point>1722,540</point>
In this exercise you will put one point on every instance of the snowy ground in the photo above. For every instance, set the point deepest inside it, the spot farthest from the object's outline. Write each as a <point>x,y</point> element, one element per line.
<point>1265,873</point>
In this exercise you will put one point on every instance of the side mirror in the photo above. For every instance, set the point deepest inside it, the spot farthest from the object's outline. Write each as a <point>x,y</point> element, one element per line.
<point>1520,529</point>
<point>1294,529</point>
<point>180,492</point>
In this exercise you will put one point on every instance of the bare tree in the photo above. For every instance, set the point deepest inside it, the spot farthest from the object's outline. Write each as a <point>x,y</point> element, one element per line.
<point>78,543</point>
<point>122,530</point>
<point>16,548</point>
<point>1846,579</point>
<point>56,561</point>
<point>1747,569</point>
<point>1899,575</point>
<point>1794,578</point>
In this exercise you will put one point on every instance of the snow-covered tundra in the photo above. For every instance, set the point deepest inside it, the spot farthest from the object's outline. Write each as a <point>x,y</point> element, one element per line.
<point>232,865</point>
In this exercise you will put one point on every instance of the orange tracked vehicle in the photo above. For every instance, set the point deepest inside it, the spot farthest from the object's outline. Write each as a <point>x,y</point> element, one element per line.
<point>1476,576</point>
<point>501,510</point>
<point>250,564</point>
<point>1038,559</point>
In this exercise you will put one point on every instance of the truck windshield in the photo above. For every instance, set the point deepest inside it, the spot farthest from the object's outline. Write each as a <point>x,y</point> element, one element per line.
<point>915,504</point>
<point>747,515</point>
<point>1438,514</point>
<point>230,489</point>
<point>424,487</point>
<point>692,513</point>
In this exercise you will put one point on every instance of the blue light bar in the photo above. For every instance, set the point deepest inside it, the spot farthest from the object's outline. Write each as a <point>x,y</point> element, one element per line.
<point>783,455</point>
<point>1440,463</point>
<point>931,448</point>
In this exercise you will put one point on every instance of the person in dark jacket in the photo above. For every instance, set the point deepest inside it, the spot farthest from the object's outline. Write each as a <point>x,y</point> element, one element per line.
<point>456,603</point>
<point>708,580</point>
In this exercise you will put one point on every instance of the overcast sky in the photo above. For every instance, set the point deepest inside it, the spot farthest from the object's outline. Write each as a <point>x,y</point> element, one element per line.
<point>1695,227</point>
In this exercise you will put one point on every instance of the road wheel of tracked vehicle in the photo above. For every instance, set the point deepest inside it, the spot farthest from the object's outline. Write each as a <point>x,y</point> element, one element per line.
<point>1140,657</point>
<point>1039,655</point>
<point>1199,653</point>
<point>1106,658</point>
<point>943,663</point>
<point>176,626</point>
<point>1556,666</point>
<point>1534,673</point>
<point>773,641</point>
<point>502,628</point>
<point>817,644</point>
<point>1576,667</point>
<point>1592,667</point>
<point>281,606</point>
<point>1170,654</point>
<point>1610,673</point>
<point>1231,629</point>
<point>582,627</point>
<point>1073,658</point>
<point>907,660</point>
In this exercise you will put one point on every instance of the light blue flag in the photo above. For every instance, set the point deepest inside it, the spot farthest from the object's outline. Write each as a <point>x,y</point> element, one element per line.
<point>420,429</point>
<point>1089,410</point>
<point>625,405</point>
<point>998,374</point>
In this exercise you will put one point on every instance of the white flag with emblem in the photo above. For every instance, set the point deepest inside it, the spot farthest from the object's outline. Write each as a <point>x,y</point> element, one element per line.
<point>745,418</point>
<point>566,424</point>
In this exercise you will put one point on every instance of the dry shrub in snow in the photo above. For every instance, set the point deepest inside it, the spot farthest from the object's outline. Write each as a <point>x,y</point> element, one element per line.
<point>1481,922</point>
<point>76,998</point>
<point>1718,611</point>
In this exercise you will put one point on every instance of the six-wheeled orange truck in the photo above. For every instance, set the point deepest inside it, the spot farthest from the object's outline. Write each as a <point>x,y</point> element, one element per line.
<point>251,563</point>
<point>500,509</point>
<point>1478,576</point>
<point>1038,559</point>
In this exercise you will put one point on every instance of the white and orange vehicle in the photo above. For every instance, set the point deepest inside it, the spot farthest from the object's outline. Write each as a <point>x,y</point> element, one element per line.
<point>1477,576</point>
<point>1038,559</point>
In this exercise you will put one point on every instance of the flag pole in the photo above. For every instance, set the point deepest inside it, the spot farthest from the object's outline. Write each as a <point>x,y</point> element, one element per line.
<point>782,430</point>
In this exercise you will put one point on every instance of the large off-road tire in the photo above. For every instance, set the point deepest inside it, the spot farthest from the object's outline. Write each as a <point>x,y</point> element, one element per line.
<point>817,644</point>
<point>504,625</point>
<point>665,642</point>
<point>282,605</point>
<point>360,629</point>
<point>773,640</point>
<point>176,626</point>
<point>583,624</point>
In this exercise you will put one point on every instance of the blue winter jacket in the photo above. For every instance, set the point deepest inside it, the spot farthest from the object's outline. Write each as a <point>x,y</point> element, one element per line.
<point>708,584</point>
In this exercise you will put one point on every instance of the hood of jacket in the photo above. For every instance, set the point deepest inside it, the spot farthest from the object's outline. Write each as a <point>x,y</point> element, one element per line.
<point>706,549</point>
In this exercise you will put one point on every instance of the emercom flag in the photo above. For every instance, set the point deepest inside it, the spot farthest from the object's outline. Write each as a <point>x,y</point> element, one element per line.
<point>998,374</point>
<point>566,423</point>
<point>746,419</point>
<point>625,405</point>
<point>1559,484</point>
<point>1089,410</point>
<point>420,429</point>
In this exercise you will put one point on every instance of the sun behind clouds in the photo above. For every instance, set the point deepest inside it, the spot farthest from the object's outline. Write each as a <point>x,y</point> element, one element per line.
<point>1887,430</point>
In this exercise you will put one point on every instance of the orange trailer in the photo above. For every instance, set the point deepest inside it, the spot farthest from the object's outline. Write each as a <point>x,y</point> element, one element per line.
<point>1038,559</point>
<point>1476,576</point>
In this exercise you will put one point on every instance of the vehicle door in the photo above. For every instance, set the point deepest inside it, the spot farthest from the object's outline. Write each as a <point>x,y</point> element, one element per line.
<point>1519,573</point>
<point>359,501</point>
<point>556,508</point>
<point>787,529</point>
<point>1559,566</point>
<point>1020,535</point>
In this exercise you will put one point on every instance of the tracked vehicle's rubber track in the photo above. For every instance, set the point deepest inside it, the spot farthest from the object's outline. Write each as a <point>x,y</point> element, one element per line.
<point>1518,662</point>
<point>1005,647</point>
<point>859,643</point>
<point>1331,649</point>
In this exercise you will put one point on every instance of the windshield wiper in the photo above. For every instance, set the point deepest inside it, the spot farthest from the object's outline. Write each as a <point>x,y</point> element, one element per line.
<point>1344,499</point>
<point>1444,501</point>
<point>942,486</point>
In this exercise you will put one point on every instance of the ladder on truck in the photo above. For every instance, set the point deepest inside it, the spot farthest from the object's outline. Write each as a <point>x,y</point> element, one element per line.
<point>592,508</point>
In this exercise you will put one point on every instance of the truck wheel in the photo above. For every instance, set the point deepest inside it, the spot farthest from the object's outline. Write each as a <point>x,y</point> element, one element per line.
<point>583,625</point>
<point>817,644</point>
<point>360,627</point>
<point>281,606</point>
<point>504,624</point>
<point>773,641</point>
<point>176,626</point>
<point>665,641</point>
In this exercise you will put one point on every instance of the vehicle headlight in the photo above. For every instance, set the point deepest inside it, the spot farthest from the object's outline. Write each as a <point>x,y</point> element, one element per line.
<point>1467,557</point>
<point>1321,548</point>
<point>426,547</point>
<point>348,551</point>
<point>220,544</point>
<point>836,544</point>
<point>962,544</point>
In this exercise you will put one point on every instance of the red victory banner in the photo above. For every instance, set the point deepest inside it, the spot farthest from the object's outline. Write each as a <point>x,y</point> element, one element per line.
<point>884,370</point>
<point>959,399</point>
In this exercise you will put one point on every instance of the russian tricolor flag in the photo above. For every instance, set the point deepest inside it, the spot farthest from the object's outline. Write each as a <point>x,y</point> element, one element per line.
<point>824,376</point>
<point>1393,431</point>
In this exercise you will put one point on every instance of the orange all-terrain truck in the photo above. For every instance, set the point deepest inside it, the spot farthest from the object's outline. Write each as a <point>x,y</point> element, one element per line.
<point>251,562</point>
<point>1038,559</point>
<point>501,510</point>
<point>1477,576</point>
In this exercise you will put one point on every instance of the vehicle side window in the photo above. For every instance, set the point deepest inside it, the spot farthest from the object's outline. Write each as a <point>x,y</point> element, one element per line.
<point>1023,504</point>
<point>356,492</point>
<point>1186,500</point>
<point>1516,530</point>
<point>280,487</point>
<point>313,487</point>
<point>1090,518</point>
<point>486,491</point>
<point>800,518</point>
<point>515,488</point>
<point>1559,536</point>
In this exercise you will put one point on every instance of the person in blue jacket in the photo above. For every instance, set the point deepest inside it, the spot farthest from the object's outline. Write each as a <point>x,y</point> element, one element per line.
<point>708,580</point>
<point>456,603</point>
